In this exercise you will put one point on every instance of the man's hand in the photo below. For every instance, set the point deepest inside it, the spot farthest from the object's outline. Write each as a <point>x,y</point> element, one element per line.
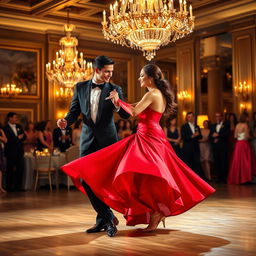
<point>21,136</point>
<point>62,123</point>
<point>114,97</point>
<point>215,135</point>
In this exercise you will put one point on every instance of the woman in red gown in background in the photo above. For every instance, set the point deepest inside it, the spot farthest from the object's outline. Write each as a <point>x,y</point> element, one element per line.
<point>141,176</point>
<point>243,164</point>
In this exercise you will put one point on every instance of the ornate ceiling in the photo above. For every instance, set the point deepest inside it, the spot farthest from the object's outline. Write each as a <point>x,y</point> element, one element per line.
<point>50,15</point>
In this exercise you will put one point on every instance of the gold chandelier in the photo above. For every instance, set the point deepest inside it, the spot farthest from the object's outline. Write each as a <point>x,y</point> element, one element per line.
<point>147,24</point>
<point>68,69</point>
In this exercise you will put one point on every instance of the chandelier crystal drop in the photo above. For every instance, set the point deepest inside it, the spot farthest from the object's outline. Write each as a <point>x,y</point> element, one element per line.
<point>68,68</point>
<point>147,24</point>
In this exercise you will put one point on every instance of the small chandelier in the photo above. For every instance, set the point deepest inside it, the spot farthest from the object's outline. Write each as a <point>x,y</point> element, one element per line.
<point>68,69</point>
<point>10,90</point>
<point>184,95</point>
<point>242,90</point>
<point>63,96</point>
<point>147,24</point>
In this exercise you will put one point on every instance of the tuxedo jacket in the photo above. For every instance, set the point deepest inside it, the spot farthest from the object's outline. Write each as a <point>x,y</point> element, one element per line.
<point>14,146</point>
<point>223,134</point>
<point>57,139</point>
<point>103,131</point>
<point>190,144</point>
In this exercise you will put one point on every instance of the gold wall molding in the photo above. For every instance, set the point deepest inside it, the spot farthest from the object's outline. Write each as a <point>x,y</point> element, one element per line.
<point>186,76</point>
<point>244,60</point>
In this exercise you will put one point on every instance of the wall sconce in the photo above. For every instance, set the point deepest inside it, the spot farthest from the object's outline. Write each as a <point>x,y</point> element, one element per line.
<point>64,96</point>
<point>245,107</point>
<point>242,90</point>
<point>10,90</point>
<point>184,95</point>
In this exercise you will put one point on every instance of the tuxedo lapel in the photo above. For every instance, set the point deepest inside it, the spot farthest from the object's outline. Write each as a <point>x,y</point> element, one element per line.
<point>11,130</point>
<point>86,98</point>
<point>103,95</point>
<point>189,129</point>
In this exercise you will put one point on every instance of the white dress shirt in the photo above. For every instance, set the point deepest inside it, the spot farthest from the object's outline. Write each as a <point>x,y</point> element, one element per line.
<point>13,127</point>
<point>94,102</point>
<point>218,126</point>
<point>192,127</point>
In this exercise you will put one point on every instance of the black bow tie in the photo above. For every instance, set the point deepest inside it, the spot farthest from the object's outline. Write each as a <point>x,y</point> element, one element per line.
<point>97,85</point>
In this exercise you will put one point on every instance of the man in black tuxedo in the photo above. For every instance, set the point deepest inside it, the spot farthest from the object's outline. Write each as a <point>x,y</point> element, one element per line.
<point>98,128</point>
<point>14,153</point>
<point>62,138</point>
<point>191,134</point>
<point>219,136</point>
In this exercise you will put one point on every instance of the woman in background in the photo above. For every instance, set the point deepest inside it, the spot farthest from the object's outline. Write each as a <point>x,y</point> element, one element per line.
<point>31,137</point>
<point>44,137</point>
<point>253,132</point>
<point>205,150</point>
<point>243,163</point>
<point>127,129</point>
<point>3,139</point>
<point>120,126</point>
<point>172,132</point>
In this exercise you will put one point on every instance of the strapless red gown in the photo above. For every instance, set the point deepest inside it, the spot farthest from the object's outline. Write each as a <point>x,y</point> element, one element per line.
<point>140,174</point>
<point>243,164</point>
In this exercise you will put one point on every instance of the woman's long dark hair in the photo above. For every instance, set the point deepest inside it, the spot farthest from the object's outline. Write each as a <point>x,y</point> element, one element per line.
<point>163,85</point>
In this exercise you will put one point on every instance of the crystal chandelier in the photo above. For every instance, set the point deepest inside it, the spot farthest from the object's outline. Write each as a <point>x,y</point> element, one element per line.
<point>68,69</point>
<point>147,24</point>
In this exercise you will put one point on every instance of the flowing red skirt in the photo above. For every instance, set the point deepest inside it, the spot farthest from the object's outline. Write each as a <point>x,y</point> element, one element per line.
<point>139,175</point>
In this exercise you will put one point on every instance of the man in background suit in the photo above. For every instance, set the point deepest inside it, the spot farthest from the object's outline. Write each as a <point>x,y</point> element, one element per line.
<point>14,153</point>
<point>191,134</point>
<point>62,138</point>
<point>219,136</point>
<point>98,128</point>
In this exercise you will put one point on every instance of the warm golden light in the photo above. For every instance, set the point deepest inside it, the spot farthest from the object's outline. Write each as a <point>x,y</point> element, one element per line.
<point>147,24</point>
<point>201,119</point>
<point>242,90</point>
<point>10,90</point>
<point>184,95</point>
<point>69,67</point>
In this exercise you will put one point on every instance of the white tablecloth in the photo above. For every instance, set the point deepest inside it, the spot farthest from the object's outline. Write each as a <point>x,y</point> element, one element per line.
<point>29,171</point>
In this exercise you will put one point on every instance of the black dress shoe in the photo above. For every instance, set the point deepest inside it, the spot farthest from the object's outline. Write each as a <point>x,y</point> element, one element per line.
<point>115,221</point>
<point>111,229</point>
<point>97,228</point>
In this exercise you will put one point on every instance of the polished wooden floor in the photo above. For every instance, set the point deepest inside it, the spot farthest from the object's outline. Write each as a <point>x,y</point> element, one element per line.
<point>44,223</point>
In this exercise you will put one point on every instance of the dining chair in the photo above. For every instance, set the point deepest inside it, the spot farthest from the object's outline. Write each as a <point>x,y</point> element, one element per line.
<point>43,169</point>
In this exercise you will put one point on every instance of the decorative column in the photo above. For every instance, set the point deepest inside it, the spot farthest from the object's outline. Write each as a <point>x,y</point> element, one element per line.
<point>186,78</point>
<point>212,63</point>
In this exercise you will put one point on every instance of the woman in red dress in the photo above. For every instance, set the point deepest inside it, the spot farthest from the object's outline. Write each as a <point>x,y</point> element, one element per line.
<point>243,164</point>
<point>141,176</point>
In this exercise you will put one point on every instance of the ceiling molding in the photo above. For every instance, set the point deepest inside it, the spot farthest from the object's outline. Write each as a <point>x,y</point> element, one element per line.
<point>46,15</point>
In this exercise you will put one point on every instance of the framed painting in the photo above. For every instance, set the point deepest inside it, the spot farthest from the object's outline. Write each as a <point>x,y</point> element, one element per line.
<point>20,66</point>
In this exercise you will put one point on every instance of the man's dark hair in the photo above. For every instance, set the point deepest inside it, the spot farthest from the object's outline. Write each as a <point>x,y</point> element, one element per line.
<point>11,114</point>
<point>101,61</point>
<point>189,113</point>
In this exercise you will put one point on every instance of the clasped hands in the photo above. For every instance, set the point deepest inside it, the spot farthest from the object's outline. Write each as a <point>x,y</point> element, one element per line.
<point>114,97</point>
